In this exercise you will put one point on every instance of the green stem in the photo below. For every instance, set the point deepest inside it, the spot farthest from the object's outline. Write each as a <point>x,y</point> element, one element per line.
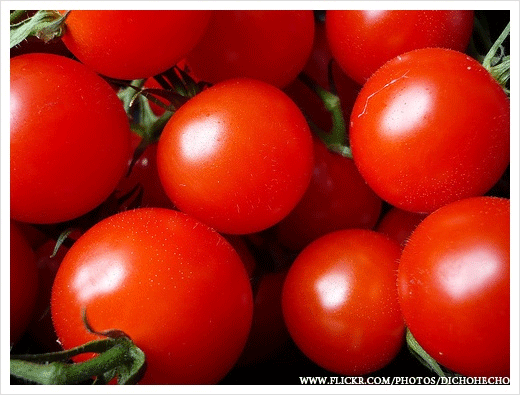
<point>118,356</point>
<point>337,139</point>
<point>16,15</point>
<point>499,65</point>
<point>422,355</point>
<point>45,24</point>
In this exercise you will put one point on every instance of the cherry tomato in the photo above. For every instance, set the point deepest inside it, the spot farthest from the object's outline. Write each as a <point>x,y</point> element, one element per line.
<point>237,156</point>
<point>337,198</point>
<point>70,139</point>
<point>174,286</point>
<point>23,282</point>
<point>145,175</point>
<point>269,45</point>
<point>133,44</point>
<point>430,127</point>
<point>363,40</point>
<point>340,301</point>
<point>40,329</point>
<point>268,332</point>
<point>453,286</point>
<point>399,224</point>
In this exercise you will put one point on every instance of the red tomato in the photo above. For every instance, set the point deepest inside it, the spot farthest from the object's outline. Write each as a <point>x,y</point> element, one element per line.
<point>268,331</point>
<point>144,173</point>
<point>317,67</point>
<point>399,224</point>
<point>133,44</point>
<point>340,302</point>
<point>454,283</point>
<point>337,198</point>
<point>430,127</point>
<point>237,156</point>
<point>174,286</point>
<point>40,328</point>
<point>70,139</point>
<point>362,41</point>
<point>269,45</point>
<point>23,282</point>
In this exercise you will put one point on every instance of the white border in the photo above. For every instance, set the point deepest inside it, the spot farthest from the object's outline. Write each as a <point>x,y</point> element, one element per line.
<point>513,6</point>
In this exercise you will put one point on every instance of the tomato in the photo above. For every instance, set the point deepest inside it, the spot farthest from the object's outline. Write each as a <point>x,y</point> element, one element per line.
<point>340,301</point>
<point>133,44</point>
<point>70,139</point>
<point>40,329</point>
<point>268,45</point>
<point>317,68</point>
<point>363,40</point>
<point>144,174</point>
<point>337,198</point>
<point>237,156</point>
<point>268,332</point>
<point>23,282</point>
<point>454,283</point>
<point>399,224</point>
<point>174,286</point>
<point>430,127</point>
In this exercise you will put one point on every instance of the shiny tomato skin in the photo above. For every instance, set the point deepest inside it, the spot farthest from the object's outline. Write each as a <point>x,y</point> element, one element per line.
<point>340,304</point>
<point>237,156</point>
<point>430,127</point>
<point>70,139</point>
<point>453,282</point>
<point>268,45</point>
<point>361,41</point>
<point>174,286</point>
<point>23,283</point>
<point>133,44</point>
<point>337,198</point>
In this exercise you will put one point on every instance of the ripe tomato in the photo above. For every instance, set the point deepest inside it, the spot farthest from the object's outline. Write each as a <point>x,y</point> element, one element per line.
<point>268,332</point>
<point>430,127</point>
<point>23,282</point>
<point>174,286</point>
<point>453,286</point>
<point>144,174</point>
<point>268,45</point>
<point>133,44</point>
<point>40,329</point>
<point>340,301</point>
<point>337,198</point>
<point>70,139</point>
<point>399,224</point>
<point>237,156</point>
<point>363,40</point>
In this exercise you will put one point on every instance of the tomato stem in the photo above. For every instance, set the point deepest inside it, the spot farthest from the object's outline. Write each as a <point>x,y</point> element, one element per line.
<point>499,65</point>
<point>337,138</point>
<point>422,355</point>
<point>45,24</point>
<point>117,357</point>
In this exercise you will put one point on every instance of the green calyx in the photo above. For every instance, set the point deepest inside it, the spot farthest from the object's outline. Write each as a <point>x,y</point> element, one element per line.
<point>45,24</point>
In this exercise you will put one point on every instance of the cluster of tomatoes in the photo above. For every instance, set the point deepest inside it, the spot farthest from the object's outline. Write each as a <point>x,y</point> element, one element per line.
<point>261,187</point>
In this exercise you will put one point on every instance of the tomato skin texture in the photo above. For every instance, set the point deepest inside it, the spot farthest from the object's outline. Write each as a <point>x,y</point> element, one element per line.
<point>337,198</point>
<point>268,45</point>
<point>430,127</point>
<point>23,283</point>
<point>361,41</point>
<point>175,286</point>
<point>338,312</point>
<point>70,139</point>
<point>117,43</point>
<point>453,283</point>
<point>237,156</point>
